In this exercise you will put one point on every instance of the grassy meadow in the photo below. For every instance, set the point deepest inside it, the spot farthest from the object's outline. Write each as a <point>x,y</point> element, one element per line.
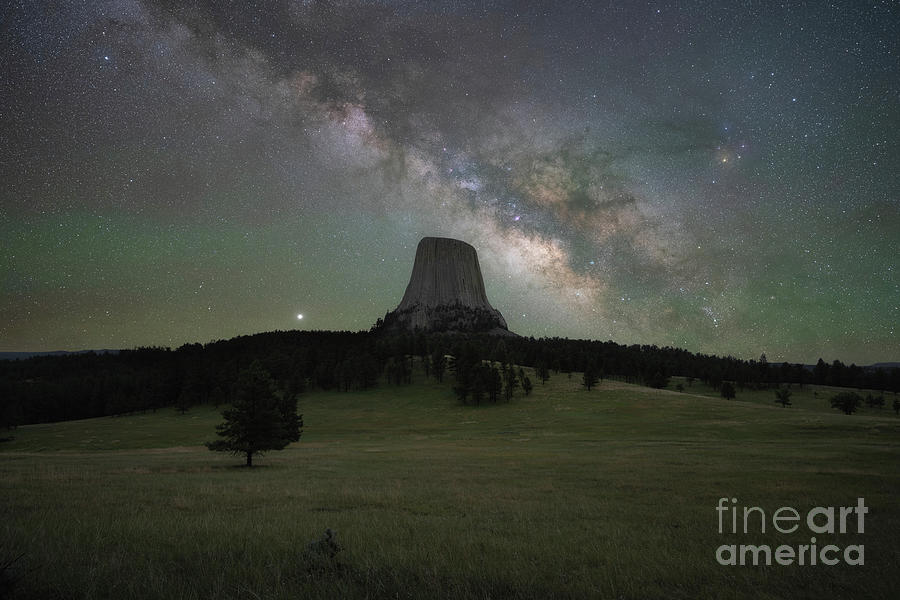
<point>565,494</point>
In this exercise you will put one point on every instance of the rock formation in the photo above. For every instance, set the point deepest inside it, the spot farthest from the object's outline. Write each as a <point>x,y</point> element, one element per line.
<point>445,292</point>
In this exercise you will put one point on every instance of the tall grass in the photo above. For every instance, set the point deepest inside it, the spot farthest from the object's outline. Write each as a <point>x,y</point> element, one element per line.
<point>564,494</point>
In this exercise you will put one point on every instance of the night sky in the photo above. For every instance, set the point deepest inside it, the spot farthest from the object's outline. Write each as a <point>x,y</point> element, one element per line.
<point>718,176</point>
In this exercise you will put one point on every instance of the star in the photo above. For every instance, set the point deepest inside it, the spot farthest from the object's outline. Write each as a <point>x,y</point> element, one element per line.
<point>607,169</point>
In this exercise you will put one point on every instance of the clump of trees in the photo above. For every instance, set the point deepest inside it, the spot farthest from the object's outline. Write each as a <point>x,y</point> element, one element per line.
<point>480,376</point>
<point>510,382</point>
<point>874,401</point>
<point>846,402</point>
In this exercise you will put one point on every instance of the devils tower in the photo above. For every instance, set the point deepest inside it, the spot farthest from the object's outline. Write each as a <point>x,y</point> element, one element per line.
<point>445,292</point>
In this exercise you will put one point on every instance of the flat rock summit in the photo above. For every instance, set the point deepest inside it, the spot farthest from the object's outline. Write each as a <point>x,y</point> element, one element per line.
<point>445,293</point>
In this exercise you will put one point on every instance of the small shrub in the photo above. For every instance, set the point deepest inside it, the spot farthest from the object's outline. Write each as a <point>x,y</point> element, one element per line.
<point>322,554</point>
<point>327,546</point>
<point>783,397</point>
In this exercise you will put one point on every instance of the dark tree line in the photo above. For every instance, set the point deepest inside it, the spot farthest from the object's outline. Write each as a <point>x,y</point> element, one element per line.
<point>57,388</point>
<point>54,388</point>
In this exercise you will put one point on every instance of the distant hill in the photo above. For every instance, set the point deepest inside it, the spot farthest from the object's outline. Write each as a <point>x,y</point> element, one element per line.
<point>884,365</point>
<point>887,366</point>
<point>24,355</point>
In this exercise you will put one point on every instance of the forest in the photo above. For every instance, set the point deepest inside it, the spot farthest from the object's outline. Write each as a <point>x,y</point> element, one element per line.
<point>77,386</point>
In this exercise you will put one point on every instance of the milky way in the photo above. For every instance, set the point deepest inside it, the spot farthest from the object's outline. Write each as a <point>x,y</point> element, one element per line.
<point>713,176</point>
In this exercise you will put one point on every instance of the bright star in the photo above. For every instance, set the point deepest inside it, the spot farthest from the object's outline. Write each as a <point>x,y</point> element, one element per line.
<point>300,316</point>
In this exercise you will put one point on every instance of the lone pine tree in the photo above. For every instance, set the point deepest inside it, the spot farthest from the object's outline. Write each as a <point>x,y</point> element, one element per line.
<point>783,396</point>
<point>260,419</point>
<point>590,377</point>
<point>727,390</point>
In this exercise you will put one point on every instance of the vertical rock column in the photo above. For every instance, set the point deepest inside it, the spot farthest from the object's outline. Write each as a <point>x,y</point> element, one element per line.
<point>446,291</point>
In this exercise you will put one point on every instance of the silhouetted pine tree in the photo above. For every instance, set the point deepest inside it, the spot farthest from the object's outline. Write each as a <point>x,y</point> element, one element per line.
<point>260,418</point>
<point>510,382</point>
<point>727,390</point>
<point>590,377</point>
<point>783,396</point>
